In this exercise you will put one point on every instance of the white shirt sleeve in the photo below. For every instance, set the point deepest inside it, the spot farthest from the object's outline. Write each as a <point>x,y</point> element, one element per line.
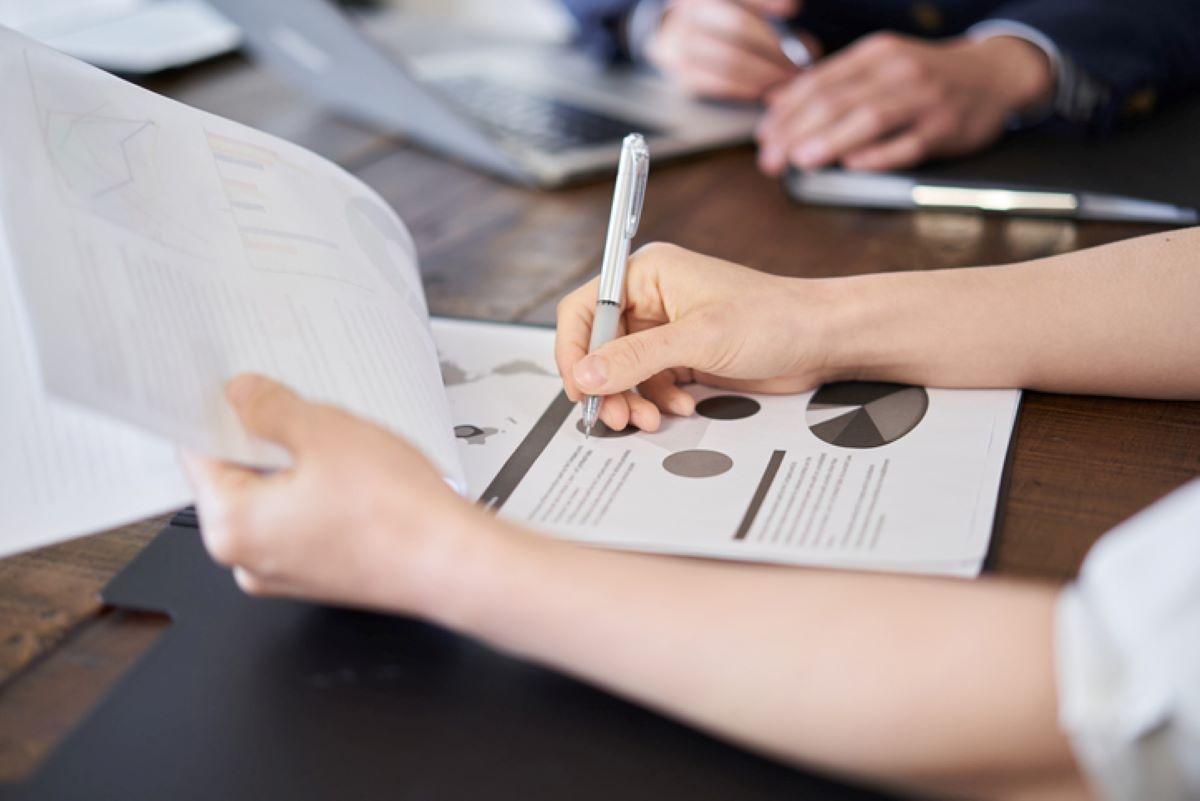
<point>1128,655</point>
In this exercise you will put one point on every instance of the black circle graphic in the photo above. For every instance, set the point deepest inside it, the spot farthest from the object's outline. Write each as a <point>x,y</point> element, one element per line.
<point>604,432</point>
<point>728,407</point>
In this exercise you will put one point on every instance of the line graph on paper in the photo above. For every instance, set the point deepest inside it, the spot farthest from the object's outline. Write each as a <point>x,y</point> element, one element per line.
<point>105,161</point>
<point>275,204</point>
<point>212,190</point>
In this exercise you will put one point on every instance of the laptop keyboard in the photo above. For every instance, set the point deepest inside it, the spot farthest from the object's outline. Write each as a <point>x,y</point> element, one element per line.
<point>546,123</point>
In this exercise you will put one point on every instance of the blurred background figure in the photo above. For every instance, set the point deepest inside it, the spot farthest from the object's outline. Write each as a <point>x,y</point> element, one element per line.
<point>899,81</point>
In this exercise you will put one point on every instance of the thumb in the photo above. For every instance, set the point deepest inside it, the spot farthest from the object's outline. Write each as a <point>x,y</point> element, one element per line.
<point>628,361</point>
<point>268,409</point>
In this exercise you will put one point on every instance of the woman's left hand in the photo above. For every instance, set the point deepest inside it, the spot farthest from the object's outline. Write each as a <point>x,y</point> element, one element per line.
<point>360,519</point>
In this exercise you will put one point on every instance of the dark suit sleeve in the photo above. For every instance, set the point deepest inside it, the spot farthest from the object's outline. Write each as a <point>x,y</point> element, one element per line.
<point>1123,56</point>
<point>601,25</point>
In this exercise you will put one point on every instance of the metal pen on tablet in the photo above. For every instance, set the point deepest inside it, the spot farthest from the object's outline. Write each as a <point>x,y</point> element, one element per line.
<point>630,192</point>
<point>884,191</point>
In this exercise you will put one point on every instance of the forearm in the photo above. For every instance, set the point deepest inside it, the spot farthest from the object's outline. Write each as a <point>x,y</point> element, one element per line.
<point>928,683</point>
<point>1120,319</point>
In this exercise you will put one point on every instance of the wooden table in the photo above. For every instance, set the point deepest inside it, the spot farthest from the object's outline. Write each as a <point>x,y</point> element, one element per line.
<point>1079,465</point>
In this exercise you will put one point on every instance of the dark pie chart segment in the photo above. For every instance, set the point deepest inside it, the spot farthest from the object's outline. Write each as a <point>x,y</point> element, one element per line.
<point>865,414</point>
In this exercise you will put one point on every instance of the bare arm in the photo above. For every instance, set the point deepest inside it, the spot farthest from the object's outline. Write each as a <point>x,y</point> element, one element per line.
<point>1122,319</point>
<point>925,684</point>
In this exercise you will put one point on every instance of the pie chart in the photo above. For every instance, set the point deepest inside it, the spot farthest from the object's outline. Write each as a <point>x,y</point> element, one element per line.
<point>865,414</point>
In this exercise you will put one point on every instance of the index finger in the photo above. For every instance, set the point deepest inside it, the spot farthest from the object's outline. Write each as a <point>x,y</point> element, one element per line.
<point>573,332</point>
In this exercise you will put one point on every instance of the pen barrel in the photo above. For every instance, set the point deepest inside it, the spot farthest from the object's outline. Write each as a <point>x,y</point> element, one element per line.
<point>604,325</point>
<point>622,221</point>
<point>612,277</point>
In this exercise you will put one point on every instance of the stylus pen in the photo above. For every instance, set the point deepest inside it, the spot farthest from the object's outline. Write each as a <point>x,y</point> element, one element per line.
<point>630,191</point>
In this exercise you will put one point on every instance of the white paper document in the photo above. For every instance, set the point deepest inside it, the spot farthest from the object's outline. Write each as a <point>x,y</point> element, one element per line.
<point>64,470</point>
<point>161,250</point>
<point>856,475</point>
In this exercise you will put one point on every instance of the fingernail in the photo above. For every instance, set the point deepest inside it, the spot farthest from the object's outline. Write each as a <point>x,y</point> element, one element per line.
<point>683,406</point>
<point>240,388</point>
<point>592,372</point>
<point>810,154</point>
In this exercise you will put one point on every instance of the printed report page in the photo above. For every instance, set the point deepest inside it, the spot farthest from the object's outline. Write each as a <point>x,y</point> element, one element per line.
<point>161,250</point>
<point>862,475</point>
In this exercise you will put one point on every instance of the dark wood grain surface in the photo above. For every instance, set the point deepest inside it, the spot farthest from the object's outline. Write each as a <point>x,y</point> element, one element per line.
<point>489,250</point>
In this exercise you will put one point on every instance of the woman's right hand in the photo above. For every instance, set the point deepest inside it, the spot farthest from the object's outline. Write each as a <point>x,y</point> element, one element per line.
<point>689,317</point>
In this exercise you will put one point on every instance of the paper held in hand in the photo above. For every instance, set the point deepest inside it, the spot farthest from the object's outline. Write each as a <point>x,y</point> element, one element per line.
<point>152,251</point>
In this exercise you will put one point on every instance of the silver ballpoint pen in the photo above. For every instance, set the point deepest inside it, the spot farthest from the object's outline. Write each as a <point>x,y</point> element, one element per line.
<point>630,191</point>
<point>879,190</point>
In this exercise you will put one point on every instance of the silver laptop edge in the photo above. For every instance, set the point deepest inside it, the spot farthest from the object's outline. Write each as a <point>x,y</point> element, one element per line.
<point>315,46</point>
<point>385,95</point>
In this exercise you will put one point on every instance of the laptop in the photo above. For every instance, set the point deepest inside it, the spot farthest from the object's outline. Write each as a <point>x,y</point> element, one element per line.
<point>533,114</point>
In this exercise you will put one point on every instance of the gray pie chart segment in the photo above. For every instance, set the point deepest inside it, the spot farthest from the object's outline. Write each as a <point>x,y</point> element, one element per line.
<point>860,432</point>
<point>697,464</point>
<point>898,413</point>
<point>865,414</point>
<point>830,429</point>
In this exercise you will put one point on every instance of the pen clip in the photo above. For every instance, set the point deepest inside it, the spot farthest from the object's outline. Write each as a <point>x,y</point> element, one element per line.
<point>641,166</point>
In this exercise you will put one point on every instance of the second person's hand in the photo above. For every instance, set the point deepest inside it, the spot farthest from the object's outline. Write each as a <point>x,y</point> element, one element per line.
<point>723,49</point>
<point>891,101</point>
<point>690,317</point>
